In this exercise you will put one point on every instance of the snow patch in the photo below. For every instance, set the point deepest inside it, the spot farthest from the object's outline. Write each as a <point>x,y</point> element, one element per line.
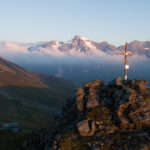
<point>83,38</point>
<point>146,48</point>
<point>89,44</point>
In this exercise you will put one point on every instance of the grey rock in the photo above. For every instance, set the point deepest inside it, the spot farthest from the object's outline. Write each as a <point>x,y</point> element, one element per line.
<point>10,125</point>
<point>116,82</point>
<point>94,84</point>
<point>139,84</point>
<point>118,118</point>
<point>15,130</point>
<point>92,103</point>
<point>25,144</point>
<point>80,99</point>
<point>85,129</point>
<point>4,129</point>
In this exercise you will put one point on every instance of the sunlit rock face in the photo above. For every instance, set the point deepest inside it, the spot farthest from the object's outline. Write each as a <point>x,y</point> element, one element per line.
<point>113,116</point>
<point>78,44</point>
<point>139,47</point>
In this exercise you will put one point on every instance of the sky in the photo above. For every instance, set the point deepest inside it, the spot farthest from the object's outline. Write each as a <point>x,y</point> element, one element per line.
<point>115,21</point>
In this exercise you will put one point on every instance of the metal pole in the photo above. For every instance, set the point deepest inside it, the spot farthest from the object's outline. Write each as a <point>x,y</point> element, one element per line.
<point>126,62</point>
<point>126,53</point>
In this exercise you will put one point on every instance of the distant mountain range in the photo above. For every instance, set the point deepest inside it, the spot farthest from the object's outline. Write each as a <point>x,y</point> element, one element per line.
<point>138,47</point>
<point>83,45</point>
<point>77,46</point>
<point>78,43</point>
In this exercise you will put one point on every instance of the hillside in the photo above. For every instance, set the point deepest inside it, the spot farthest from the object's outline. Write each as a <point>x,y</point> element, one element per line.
<point>27,96</point>
<point>100,117</point>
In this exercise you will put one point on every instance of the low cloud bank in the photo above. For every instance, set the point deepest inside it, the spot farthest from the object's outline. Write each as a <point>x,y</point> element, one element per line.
<point>20,54</point>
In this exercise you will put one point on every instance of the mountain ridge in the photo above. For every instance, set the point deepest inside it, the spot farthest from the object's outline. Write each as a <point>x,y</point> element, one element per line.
<point>76,46</point>
<point>82,44</point>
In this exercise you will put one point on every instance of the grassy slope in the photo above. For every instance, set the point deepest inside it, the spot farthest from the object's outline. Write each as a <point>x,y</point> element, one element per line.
<point>34,107</point>
<point>29,98</point>
<point>12,141</point>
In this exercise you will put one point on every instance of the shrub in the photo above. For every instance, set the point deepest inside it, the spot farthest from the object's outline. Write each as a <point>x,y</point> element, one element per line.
<point>71,141</point>
<point>99,114</point>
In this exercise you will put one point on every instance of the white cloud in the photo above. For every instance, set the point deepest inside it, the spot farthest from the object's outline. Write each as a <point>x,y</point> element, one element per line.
<point>52,52</point>
<point>12,47</point>
<point>17,48</point>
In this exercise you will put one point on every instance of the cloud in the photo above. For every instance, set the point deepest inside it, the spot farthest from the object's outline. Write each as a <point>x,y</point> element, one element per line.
<point>74,52</point>
<point>8,47</point>
<point>96,52</point>
<point>17,48</point>
<point>52,52</point>
<point>90,52</point>
<point>60,72</point>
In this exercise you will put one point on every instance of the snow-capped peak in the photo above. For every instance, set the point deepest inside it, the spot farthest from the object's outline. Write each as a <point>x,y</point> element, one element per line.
<point>78,37</point>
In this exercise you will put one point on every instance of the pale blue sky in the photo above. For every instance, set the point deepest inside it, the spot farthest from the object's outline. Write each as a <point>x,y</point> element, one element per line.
<point>115,21</point>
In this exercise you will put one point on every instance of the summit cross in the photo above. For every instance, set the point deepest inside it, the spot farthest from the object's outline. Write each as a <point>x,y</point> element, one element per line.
<point>126,53</point>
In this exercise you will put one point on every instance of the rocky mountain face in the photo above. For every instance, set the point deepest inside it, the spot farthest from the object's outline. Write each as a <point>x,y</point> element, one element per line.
<point>139,47</point>
<point>76,46</point>
<point>48,45</point>
<point>100,117</point>
<point>83,45</point>
<point>78,43</point>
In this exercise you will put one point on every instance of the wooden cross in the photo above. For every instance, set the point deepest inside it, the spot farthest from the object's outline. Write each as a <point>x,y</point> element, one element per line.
<point>126,53</point>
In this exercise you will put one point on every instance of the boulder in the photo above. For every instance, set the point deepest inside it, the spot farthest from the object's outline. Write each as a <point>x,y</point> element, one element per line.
<point>92,103</point>
<point>113,116</point>
<point>15,130</point>
<point>88,84</point>
<point>80,99</point>
<point>116,82</point>
<point>10,125</point>
<point>93,94</point>
<point>94,84</point>
<point>88,97</point>
<point>80,91</point>
<point>86,128</point>
<point>4,129</point>
<point>139,84</point>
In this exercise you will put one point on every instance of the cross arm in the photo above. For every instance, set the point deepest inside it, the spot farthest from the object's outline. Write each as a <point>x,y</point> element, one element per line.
<point>126,53</point>
<point>121,53</point>
<point>131,54</point>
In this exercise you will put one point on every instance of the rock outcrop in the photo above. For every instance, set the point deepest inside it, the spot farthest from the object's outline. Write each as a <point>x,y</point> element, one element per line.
<point>11,126</point>
<point>101,117</point>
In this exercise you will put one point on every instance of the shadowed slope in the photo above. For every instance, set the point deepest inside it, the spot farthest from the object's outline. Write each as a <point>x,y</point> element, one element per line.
<point>28,97</point>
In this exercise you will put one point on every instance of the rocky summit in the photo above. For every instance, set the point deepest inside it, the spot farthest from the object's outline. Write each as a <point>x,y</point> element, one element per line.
<point>100,117</point>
